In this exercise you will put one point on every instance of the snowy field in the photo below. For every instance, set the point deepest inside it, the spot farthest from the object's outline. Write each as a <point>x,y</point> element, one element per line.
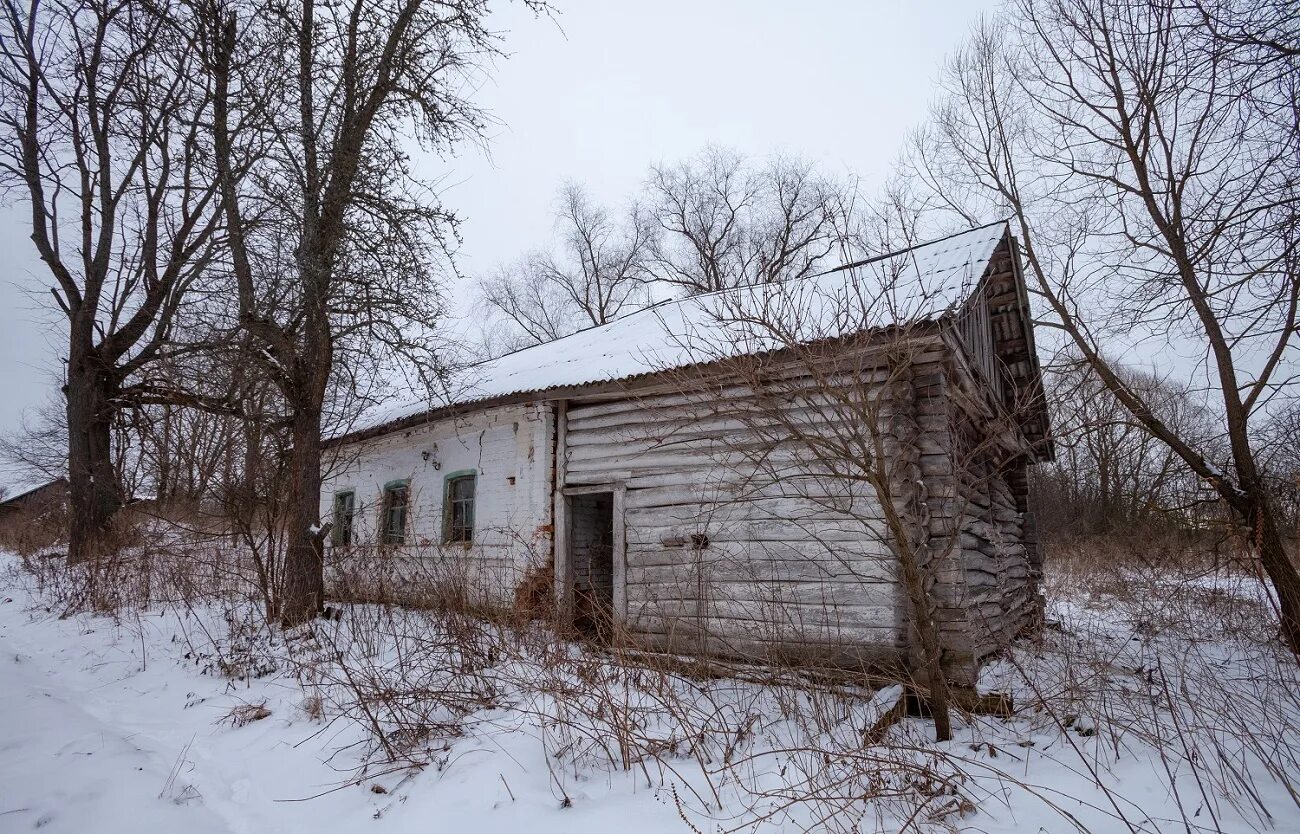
<point>1149,707</point>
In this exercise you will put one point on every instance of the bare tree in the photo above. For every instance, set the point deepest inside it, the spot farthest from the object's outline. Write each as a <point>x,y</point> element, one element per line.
<point>715,221</point>
<point>530,308</point>
<point>597,276</point>
<point>1110,472</point>
<point>102,113</point>
<point>1284,465</point>
<point>602,271</point>
<point>39,447</point>
<point>1268,29</point>
<point>1149,161</point>
<point>727,222</point>
<point>334,244</point>
<point>847,422</point>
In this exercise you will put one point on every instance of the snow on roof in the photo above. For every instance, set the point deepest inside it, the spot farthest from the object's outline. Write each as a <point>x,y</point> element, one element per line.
<point>19,485</point>
<point>923,282</point>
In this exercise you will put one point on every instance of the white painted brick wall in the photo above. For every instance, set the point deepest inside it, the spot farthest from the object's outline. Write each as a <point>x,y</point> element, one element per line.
<point>510,518</point>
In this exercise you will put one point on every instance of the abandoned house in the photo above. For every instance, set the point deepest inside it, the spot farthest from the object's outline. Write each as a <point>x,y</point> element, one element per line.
<point>677,504</point>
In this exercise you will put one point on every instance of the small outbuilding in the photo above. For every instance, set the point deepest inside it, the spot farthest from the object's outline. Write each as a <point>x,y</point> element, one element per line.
<point>33,515</point>
<point>735,474</point>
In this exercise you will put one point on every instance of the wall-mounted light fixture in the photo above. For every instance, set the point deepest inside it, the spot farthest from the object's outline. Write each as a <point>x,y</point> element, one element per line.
<point>431,456</point>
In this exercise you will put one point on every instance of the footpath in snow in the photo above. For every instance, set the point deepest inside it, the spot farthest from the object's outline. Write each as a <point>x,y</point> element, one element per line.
<point>106,727</point>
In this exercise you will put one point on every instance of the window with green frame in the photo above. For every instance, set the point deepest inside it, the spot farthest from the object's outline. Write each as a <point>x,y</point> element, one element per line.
<point>392,519</point>
<point>458,507</point>
<point>345,507</point>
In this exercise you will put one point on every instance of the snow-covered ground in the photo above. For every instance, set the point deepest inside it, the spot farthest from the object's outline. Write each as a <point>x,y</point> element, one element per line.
<point>108,727</point>
<point>1130,717</point>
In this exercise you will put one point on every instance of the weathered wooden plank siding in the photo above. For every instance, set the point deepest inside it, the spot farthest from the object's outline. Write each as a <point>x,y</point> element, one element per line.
<point>729,554</point>
<point>737,543</point>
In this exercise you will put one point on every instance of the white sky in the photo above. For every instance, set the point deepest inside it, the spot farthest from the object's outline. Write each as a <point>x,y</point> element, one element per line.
<point>597,96</point>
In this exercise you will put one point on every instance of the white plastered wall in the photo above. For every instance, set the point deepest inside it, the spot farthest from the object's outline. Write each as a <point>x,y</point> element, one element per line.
<point>509,450</point>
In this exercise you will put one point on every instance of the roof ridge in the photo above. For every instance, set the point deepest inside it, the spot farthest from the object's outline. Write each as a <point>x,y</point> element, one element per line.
<point>876,258</point>
<point>668,302</point>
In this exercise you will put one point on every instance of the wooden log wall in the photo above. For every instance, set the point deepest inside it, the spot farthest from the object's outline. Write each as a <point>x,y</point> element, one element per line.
<point>997,585</point>
<point>922,486</point>
<point>738,544</point>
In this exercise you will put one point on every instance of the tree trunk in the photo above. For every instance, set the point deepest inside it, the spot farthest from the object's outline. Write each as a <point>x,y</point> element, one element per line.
<point>1253,503</point>
<point>94,494</point>
<point>166,489</point>
<point>894,475</point>
<point>931,649</point>
<point>304,567</point>
<point>1277,563</point>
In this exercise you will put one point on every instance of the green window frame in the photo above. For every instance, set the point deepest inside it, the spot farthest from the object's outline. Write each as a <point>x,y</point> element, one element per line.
<point>345,510</point>
<point>458,495</point>
<point>393,512</point>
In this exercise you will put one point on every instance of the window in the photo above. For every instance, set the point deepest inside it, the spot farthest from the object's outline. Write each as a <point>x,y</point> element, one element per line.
<point>344,509</point>
<point>392,522</point>
<point>458,522</point>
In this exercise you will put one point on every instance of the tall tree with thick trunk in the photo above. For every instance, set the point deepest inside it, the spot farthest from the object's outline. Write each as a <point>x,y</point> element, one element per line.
<point>335,246</point>
<point>101,108</point>
<point>1148,152</point>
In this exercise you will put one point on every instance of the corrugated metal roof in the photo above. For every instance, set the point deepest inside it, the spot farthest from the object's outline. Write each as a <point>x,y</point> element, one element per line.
<point>923,282</point>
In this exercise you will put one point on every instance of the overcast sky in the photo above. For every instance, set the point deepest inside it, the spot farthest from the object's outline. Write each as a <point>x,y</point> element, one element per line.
<point>598,95</point>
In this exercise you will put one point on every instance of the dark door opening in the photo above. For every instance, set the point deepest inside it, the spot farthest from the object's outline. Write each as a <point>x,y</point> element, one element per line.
<point>591,543</point>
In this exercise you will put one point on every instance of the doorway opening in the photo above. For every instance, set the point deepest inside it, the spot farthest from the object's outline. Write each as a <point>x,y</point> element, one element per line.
<point>591,548</point>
